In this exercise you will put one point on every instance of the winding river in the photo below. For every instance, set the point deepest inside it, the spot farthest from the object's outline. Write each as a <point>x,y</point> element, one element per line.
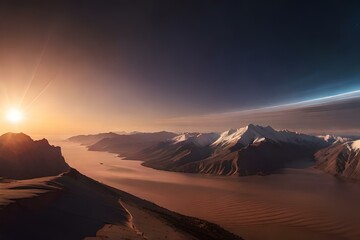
<point>293,204</point>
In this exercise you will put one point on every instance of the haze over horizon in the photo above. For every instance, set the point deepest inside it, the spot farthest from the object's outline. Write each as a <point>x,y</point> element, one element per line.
<point>90,67</point>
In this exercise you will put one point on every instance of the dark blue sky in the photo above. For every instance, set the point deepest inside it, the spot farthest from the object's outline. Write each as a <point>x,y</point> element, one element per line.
<point>162,59</point>
<point>228,54</point>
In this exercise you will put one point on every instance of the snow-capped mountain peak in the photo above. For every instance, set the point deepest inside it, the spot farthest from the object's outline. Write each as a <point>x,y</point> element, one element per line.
<point>183,137</point>
<point>254,133</point>
<point>200,139</point>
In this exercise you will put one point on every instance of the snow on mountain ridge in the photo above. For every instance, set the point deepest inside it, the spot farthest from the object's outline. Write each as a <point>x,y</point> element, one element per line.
<point>254,133</point>
<point>333,139</point>
<point>356,145</point>
<point>201,139</point>
<point>182,137</point>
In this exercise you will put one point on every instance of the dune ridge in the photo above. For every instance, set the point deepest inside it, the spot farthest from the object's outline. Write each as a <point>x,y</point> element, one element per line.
<point>73,206</point>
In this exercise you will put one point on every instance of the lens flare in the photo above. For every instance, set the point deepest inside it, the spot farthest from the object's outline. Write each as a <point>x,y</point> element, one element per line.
<point>14,116</point>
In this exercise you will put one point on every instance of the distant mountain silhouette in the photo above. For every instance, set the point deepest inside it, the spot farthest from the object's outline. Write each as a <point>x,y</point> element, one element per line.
<point>129,145</point>
<point>92,138</point>
<point>23,158</point>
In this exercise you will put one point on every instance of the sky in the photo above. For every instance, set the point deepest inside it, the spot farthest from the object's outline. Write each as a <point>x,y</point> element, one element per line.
<point>97,66</point>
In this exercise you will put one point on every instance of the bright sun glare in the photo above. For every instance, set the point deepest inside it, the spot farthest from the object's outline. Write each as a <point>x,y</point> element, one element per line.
<point>14,116</point>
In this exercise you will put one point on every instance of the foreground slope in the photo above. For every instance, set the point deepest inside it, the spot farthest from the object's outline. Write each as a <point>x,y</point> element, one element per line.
<point>73,206</point>
<point>341,159</point>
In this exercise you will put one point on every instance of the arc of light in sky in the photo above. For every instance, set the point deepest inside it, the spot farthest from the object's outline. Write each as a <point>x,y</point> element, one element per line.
<point>327,99</point>
<point>312,102</point>
<point>38,64</point>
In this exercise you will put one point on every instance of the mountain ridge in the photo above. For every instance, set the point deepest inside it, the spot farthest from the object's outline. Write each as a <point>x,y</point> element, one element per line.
<point>249,150</point>
<point>21,157</point>
<point>342,159</point>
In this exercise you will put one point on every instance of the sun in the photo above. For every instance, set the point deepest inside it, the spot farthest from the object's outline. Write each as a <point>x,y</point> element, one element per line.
<point>14,115</point>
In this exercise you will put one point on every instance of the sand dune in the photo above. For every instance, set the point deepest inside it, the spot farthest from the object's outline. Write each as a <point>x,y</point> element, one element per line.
<point>73,206</point>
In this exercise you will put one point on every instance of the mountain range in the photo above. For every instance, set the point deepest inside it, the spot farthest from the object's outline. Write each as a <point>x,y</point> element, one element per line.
<point>245,151</point>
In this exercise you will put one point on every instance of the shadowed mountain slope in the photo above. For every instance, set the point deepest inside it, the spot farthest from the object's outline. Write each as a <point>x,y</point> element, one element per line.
<point>22,158</point>
<point>341,159</point>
